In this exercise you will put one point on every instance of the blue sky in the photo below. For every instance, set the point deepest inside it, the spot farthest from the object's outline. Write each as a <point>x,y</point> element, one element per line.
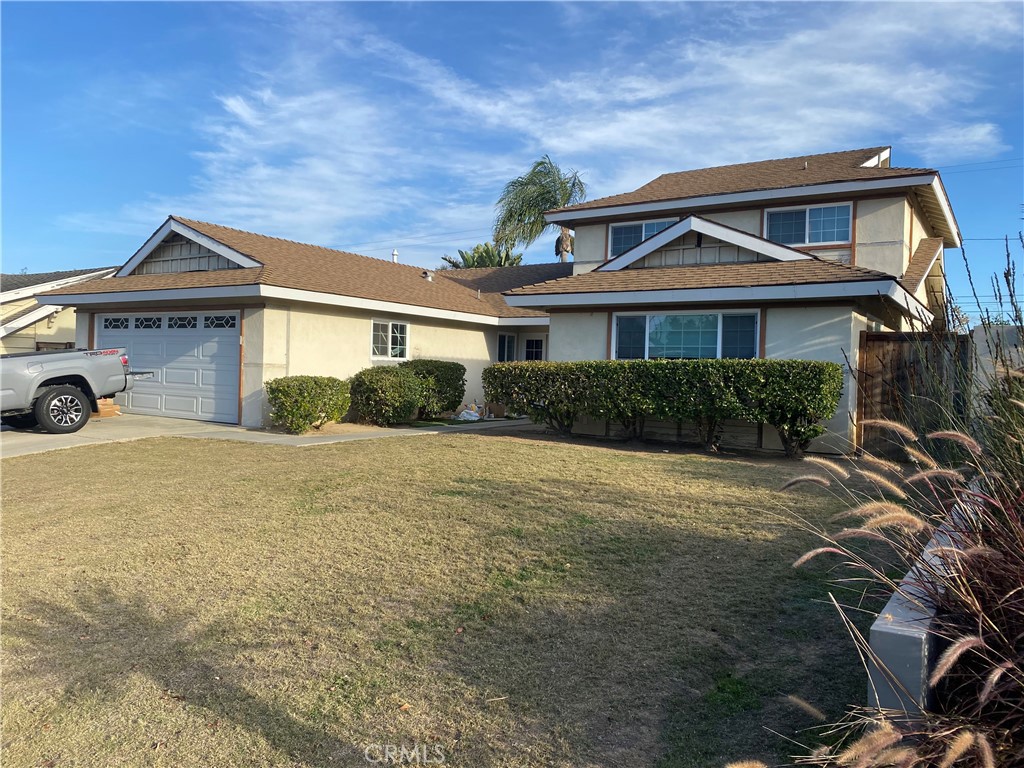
<point>373,126</point>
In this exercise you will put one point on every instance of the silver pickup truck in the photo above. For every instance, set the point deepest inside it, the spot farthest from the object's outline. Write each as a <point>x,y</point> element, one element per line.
<point>57,391</point>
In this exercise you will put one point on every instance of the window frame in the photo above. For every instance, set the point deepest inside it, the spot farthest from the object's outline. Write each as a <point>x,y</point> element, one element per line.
<point>542,340</point>
<point>719,312</point>
<point>515,348</point>
<point>643,223</point>
<point>390,324</point>
<point>807,224</point>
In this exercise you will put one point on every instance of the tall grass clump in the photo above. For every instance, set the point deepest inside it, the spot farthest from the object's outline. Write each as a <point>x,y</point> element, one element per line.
<point>960,495</point>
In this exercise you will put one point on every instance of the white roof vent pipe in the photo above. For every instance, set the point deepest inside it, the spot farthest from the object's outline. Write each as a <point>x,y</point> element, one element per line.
<point>394,255</point>
<point>428,275</point>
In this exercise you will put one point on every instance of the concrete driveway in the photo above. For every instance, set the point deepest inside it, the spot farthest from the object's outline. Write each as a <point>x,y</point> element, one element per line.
<point>134,427</point>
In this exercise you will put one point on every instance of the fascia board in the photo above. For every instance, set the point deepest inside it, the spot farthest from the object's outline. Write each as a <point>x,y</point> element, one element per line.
<point>28,319</point>
<point>32,290</point>
<point>172,225</point>
<point>765,195</point>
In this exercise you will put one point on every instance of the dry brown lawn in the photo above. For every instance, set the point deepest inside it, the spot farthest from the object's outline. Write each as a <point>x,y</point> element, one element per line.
<point>495,600</point>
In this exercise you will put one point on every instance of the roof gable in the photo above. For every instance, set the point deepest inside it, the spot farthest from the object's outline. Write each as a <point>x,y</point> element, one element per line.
<point>711,229</point>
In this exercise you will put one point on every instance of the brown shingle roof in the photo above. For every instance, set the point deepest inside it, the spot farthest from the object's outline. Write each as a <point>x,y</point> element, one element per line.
<point>754,274</point>
<point>14,282</point>
<point>752,177</point>
<point>288,264</point>
<point>921,262</point>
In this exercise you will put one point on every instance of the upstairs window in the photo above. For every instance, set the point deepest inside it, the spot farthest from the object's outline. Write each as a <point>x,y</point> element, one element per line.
<point>625,236</point>
<point>807,226</point>
<point>390,340</point>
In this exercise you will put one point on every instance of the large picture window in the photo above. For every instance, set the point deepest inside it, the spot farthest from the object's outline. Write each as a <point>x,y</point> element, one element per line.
<point>685,336</point>
<point>625,236</point>
<point>390,340</point>
<point>807,226</point>
<point>506,347</point>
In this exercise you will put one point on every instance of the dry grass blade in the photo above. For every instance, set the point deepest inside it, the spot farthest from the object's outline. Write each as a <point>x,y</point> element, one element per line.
<point>814,553</point>
<point>958,748</point>
<point>966,441</point>
<point>920,457</point>
<point>883,464</point>
<point>1018,403</point>
<point>869,745</point>
<point>747,764</point>
<point>901,519</point>
<point>802,479</point>
<point>992,679</point>
<point>832,466</point>
<point>859,533</point>
<point>988,759</point>
<point>928,475</point>
<point>892,426</point>
<point>950,655</point>
<point>882,482</point>
<point>900,757</point>
<point>807,707</point>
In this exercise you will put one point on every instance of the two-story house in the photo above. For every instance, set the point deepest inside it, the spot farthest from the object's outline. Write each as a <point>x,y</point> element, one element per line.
<point>789,258</point>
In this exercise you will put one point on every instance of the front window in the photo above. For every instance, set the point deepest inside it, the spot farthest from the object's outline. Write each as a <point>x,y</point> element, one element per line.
<point>685,336</point>
<point>805,226</point>
<point>390,340</point>
<point>626,236</point>
<point>534,349</point>
<point>506,347</point>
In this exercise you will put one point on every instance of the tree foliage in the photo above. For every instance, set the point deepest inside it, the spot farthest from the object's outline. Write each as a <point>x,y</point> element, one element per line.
<point>483,255</point>
<point>520,209</point>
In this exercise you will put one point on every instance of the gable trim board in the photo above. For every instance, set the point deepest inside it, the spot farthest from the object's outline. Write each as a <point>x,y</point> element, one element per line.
<point>861,289</point>
<point>30,290</point>
<point>931,181</point>
<point>293,294</point>
<point>29,318</point>
<point>704,227</point>
<point>173,225</point>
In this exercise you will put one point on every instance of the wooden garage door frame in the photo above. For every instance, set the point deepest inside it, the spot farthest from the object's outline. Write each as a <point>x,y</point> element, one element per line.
<point>95,330</point>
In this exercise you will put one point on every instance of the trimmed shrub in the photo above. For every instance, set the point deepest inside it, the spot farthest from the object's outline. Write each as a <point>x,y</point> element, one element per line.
<point>443,382</point>
<point>793,396</point>
<point>386,395</point>
<point>300,403</point>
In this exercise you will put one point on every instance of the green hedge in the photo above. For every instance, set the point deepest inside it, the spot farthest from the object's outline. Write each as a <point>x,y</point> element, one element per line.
<point>300,403</point>
<point>793,396</point>
<point>443,382</point>
<point>386,395</point>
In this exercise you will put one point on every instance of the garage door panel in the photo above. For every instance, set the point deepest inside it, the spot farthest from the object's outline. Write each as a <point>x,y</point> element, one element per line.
<point>195,371</point>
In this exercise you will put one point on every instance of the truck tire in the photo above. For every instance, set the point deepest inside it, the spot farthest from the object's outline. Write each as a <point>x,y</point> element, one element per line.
<point>21,421</point>
<point>62,409</point>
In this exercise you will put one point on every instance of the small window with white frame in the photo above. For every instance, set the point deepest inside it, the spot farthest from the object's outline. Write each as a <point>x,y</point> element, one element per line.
<point>810,225</point>
<point>622,237</point>
<point>534,349</point>
<point>389,340</point>
<point>506,347</point>
<point>686,336</point>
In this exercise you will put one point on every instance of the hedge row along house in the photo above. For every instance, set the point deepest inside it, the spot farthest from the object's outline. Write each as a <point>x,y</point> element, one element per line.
<point>788,258</point>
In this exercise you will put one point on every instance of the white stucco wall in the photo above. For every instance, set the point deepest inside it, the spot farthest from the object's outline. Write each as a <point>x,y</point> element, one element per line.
<point>745,221</point>
<point>590,243</point>
<point>578,336</point>
<point>819,333</point>
<point>58,329</point>
<point>881,236</point>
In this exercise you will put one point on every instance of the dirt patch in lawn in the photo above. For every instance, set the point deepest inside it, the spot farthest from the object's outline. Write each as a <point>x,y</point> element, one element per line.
<point>495,600</point>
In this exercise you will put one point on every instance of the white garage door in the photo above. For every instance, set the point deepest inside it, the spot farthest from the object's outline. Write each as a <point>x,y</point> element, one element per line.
<point>194,357</point>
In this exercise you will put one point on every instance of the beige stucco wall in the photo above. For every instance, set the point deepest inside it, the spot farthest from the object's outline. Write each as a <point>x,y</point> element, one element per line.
<point>882,234</point>
<point>745,221</point>
<point>59,329</point>
<point>819,333</point>
<point>578,336</point>
<point>590,243</point>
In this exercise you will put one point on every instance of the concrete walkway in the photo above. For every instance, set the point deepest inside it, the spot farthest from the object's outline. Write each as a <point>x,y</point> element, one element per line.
<point>134,427</point>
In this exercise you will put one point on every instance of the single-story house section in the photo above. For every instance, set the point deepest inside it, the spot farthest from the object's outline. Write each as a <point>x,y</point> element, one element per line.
<point>791,258</point>
<point>216,312</point>
<point>28,326</point>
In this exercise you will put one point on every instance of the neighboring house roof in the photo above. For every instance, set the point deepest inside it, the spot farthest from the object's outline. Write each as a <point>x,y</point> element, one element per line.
<point>747,275</point>
<point>762,175</point>
<point>16,282</point>
<point>921,262</point>
<point>287,264</point>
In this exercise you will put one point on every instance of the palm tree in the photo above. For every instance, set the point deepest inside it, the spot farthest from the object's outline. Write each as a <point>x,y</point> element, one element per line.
<point>520,220</point>
<point>483,255</point>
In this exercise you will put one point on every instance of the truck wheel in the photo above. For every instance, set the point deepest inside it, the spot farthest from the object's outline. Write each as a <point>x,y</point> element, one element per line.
<point>62,409</point>
<point>21,421</point>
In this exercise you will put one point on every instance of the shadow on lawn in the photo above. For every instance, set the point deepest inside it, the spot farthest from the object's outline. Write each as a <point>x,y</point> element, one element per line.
<point>621,640</point>
<point>96,644</point>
